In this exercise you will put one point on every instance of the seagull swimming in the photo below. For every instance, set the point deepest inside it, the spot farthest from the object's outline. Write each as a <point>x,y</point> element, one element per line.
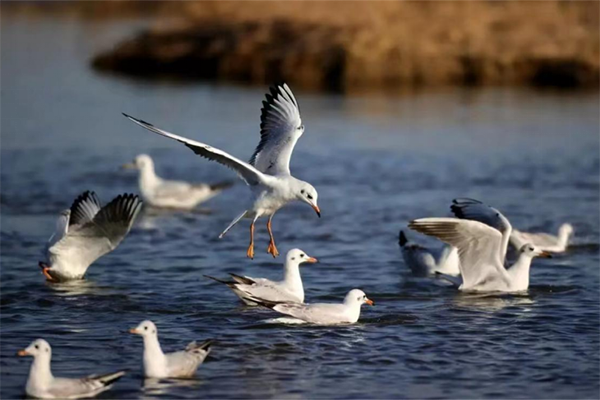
<point>544,241</point>
<point>43,385</point>
<point>479,250</point>
<point>424,262</point>
<point>268,171</point>
<point>323,313</point>
<point>290,289</point>
<point>180,364</point>
<point>86,232</point>
<point>162,193</point>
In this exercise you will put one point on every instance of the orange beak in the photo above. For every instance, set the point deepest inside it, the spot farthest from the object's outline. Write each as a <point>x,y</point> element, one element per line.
<point>545,254</point>
<point>134,331</point>
<point>317,209</point>
<point>312,260</point>
<point>23,353</point>
<point>370,302</point>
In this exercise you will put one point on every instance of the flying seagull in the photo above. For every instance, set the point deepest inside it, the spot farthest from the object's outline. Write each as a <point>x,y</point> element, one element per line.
<point>268,171</point>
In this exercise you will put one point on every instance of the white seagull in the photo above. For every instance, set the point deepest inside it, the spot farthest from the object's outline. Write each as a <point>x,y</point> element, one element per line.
<point>323,313</point>
<point>86,232</point>
<point>545,241</point>
<point>479,250</point>
<point>43,385</point>
<point>423,261</point>
<point>268,171</point>
<point>290,289</point>
<point>162,193</point>
<point>180,364</point>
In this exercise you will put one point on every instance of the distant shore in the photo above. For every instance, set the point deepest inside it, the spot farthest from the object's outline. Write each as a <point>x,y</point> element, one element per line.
<point>346,46</point>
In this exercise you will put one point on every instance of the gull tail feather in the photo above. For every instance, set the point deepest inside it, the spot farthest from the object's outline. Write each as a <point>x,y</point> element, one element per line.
<point>109,379</point>
<point>235,221</point>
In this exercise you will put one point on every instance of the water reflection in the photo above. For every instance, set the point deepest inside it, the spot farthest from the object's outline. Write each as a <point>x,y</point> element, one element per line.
<point>157,387</point>
<point>77,288</point>
<point>491,302</point>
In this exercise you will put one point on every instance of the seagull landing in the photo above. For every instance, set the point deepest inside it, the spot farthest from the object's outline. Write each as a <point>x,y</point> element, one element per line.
<point>268,171</point>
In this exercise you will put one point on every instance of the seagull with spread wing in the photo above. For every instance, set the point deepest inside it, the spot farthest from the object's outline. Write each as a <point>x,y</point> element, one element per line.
<point>86,232</point>
<point>268,171</point>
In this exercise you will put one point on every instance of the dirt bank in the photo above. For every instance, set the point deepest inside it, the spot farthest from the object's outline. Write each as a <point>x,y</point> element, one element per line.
<point>354,45</point>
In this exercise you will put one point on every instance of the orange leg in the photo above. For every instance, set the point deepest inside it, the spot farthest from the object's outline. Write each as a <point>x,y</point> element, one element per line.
<point>250,252</point>
<point>45,269</point>
<point>272,248</point>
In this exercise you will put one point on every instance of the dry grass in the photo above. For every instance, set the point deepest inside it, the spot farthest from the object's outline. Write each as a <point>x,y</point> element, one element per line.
<point>347,45</point>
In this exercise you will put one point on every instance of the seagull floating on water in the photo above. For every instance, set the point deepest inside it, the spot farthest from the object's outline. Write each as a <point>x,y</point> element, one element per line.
<point>43,385</point>
<point>162,193</point>
<point>268,171</point>
<point>323,313</point>
<point>480,253</point>
<point>86,232</point>
<point>180,364</point>
<point>544,241</point>
<point>290,289</point>
<point>423,261</point>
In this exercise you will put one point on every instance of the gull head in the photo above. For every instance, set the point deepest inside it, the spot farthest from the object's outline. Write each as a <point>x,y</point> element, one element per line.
<point>357,296</point>
<point>142,161</point>
<point>565,229</point>
<point>37,348</point>
<point>145,328</point>
<point>531,251</point>
<point>308,194</point>
<point>297,256</point>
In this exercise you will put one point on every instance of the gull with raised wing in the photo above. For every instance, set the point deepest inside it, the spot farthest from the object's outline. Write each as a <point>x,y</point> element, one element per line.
<point>86,232</point>
<point>289,289</point>
<point>479,250</point>
<point>268,171</point>
<point>43,385</point>
<point>180,364</point>
<point>322,313</point>
<point>163,193</point>
<point>544,241</point>
<point>423,261</point>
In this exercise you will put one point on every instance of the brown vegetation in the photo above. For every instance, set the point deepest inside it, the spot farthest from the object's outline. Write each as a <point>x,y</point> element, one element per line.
<point>349,45</point>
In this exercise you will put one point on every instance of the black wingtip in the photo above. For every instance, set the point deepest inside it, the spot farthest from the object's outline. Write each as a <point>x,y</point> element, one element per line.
<point>140,121</point>
<point>402,238</point>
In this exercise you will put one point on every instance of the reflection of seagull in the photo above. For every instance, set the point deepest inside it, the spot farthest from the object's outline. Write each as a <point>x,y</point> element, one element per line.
<point>268,172</point>
<point>545,241</point>
<point>86,232</point>
<point>158,192</point>
<point>323,313</point>
<point>423,261</point>
<point>42,384</point>
<point>180,364</point>
<point>479,250</point>
<point>290,289</point>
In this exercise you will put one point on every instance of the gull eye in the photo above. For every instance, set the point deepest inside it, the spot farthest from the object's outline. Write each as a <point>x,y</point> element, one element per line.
<point>145,328</point>
<point>301,255</point>
<point>302,191</point>
<point>531,248</point>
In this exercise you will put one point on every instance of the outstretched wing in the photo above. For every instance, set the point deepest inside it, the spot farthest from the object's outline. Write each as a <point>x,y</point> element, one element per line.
<point>84,208</point>
<point>85,243</point>
<point>475,210</point>
<point>280,128</point>
<point>478,246</point>
<point>247,172</point>
<point>62,227</point>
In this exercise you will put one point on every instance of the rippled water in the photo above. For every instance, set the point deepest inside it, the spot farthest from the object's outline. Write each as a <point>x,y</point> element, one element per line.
<point>377,162</point>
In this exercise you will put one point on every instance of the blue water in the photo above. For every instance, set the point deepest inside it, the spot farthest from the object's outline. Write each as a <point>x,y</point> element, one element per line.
<point>376,160</point>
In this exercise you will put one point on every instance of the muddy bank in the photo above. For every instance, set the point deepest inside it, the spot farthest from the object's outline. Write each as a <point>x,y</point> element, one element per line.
<point>352,46</point>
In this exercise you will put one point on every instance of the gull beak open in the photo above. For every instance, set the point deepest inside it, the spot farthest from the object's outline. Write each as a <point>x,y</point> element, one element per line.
<point>128,166</point>
<point>134,331</point>
<point>23,353</point>
<point>370,302</point>
<point>312,260</point>
<point>317,209</point>
<point>545,254</point>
